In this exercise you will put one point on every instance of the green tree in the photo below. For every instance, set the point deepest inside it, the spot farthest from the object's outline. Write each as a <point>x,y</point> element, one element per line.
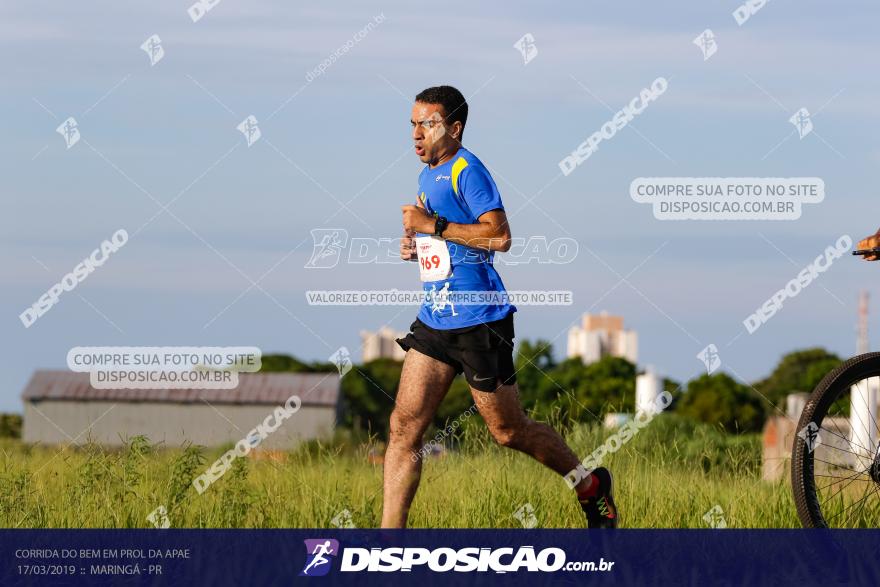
<point>285,363</point>
<point>800,370</point>
<point>674,388</point>
<point>534,361</point>
<point>558,392</point>
<point>368,393</point>
<point>10,426</point>
<point>719,399</point>
<point>573,391</point>
<point>612,385</point>
<point>456,403</point>
<point>275,363</point>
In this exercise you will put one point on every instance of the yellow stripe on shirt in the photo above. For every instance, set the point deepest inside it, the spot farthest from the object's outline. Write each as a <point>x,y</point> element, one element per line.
<point>457,168</point>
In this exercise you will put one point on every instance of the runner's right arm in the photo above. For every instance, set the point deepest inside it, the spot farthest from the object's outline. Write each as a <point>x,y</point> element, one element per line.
<point>408,242</point>
<point>408,246</point>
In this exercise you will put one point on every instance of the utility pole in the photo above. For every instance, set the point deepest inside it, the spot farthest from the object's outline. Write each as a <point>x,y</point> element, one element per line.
<point>862,345</point>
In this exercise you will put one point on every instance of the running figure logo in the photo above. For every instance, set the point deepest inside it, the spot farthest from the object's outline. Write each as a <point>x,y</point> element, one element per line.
<point>706,42</point>
<point>714,518</point>
<point>810,435</point>
<point>69,129</point>
<point>710,358</point>
<point>802,122</point>
<point>317,561</point>
<point>527,48</point>
<point>250,130</point>
<point>327,246</point>
<point>342,359</point>
<point>153,48</point>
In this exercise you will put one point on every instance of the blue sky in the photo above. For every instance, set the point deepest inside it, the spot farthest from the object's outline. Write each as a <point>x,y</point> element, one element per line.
<point>169,131</point>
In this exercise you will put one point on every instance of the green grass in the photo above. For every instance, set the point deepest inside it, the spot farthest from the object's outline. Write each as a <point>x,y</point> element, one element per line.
<point>669,475</point>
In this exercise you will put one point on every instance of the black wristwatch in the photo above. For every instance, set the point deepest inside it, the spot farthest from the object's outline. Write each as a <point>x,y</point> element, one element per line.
<point>440,225</point>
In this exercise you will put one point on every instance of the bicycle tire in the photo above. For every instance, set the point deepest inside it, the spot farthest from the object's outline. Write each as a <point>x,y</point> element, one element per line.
<point>823,397</point>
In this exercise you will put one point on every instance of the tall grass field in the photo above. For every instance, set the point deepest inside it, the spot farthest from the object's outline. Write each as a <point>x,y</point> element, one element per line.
<point>668,476</point>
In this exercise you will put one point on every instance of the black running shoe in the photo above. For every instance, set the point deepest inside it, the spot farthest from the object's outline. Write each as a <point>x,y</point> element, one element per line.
<point>600,509</point>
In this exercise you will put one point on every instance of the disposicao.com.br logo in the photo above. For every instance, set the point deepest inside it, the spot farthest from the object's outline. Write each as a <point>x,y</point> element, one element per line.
<point>318,558</point>
<point>442,560</point>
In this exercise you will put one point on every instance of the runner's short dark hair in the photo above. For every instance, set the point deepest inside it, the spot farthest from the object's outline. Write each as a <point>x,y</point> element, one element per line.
<point>451,99</point>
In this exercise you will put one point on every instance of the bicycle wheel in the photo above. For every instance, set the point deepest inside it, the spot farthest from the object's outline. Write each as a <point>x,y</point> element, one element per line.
<point>835,465</point>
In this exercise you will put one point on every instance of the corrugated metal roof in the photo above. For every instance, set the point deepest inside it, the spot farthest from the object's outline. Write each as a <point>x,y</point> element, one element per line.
<point>316,389</point>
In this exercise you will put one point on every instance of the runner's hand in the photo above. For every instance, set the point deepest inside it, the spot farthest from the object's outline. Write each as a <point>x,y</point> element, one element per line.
<point>408,246</point>
<point>417,219</point>
<point>869,243</point>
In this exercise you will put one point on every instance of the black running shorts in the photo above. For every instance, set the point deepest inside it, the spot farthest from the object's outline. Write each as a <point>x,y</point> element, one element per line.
<point>484,353</point>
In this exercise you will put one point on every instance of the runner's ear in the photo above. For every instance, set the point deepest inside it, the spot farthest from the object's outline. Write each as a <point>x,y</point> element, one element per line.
<point>456,130</point>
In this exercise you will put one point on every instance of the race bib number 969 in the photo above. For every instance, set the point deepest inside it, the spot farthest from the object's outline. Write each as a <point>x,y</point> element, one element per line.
<point>434,262</point>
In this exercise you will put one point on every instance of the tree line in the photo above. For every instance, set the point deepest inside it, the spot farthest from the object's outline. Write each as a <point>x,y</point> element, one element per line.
<point>570,392</point>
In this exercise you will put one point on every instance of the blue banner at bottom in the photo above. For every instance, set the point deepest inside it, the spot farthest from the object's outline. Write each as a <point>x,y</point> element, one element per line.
<point>365,557</point>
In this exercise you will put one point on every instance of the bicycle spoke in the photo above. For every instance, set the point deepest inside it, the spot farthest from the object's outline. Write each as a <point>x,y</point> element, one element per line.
<point>849,507</point>
<point>839,479</point>
<point>838,491</point>
<point>862,507</point>
<point>838,465</point>
<point>844,438</point>
<point>841,449</point>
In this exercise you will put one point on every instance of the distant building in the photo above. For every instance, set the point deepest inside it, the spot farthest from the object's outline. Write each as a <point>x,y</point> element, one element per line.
<point>779,434</point>
<point>61,407</point>
<point>382,345</point>
<point>601,336</point>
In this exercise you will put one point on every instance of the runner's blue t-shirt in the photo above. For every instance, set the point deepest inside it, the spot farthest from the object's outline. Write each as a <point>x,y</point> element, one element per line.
<point>461,190</point>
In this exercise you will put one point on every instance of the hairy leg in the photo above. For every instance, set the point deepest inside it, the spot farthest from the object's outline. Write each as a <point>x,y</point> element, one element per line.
<point>423,385</point>
<point>511,427</point>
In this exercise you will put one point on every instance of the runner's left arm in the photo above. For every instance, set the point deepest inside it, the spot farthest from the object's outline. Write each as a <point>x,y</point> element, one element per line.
<point>491,232</point>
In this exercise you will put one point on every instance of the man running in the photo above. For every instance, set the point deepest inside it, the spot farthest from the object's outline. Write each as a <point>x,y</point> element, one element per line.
<point>455,228</point>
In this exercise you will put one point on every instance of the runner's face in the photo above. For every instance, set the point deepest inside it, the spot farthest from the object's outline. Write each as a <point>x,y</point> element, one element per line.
<point>429,131</point>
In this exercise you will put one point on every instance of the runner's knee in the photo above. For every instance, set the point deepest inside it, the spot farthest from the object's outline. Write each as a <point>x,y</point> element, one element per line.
<point>510,435</point>
<point>405,428</point>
